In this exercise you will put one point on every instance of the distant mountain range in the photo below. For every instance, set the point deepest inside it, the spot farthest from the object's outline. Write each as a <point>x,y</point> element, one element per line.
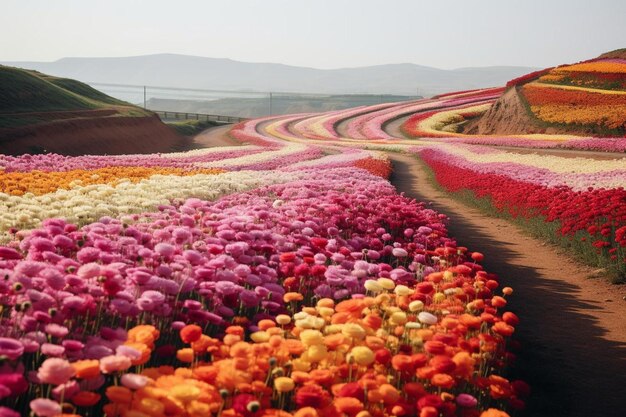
<point>183,71</point>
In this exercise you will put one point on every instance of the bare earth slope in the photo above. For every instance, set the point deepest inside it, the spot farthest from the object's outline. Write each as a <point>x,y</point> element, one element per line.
<point>508,116</point>
<point>100,135</point>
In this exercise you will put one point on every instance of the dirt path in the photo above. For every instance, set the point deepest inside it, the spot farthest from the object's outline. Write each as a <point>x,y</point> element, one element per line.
<point>210,138</point>
<point>572,330</point>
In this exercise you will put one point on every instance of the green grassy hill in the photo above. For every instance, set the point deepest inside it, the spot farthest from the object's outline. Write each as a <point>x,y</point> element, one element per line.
<point>30,97</point>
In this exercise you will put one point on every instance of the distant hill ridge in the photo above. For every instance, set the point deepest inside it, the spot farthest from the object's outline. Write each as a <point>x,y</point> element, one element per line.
<point>185,71</point>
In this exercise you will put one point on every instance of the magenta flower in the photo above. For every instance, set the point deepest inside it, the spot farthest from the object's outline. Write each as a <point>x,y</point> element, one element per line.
<point>11,348</point>
<point>7,412</point>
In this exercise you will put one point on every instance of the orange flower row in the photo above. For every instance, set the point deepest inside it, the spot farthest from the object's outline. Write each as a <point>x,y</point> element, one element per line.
<point>556,105</point>
<point>42,182</point>
<point>596,66</point>
<point>541,95</point>
<point>612,117</point>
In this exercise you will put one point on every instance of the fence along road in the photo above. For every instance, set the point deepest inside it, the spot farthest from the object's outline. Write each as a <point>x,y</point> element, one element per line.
<point>174,115</point>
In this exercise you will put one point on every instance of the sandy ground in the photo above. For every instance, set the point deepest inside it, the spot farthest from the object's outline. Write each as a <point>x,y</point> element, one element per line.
<point>573,328</point>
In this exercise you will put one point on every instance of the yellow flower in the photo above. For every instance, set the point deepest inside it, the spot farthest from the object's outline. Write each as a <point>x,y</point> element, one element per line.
<point>386,283</point>
<point>403,290</point>
<point>439,297</point>
<point>283,319</point>
<point>398,318</point>
<point>185,393</point>
<point>310,337</point>
<point>353,330</point>
<point>363,355</point>
<point>373,286</point>
<point>316,353</point>
<point>416,305</point>
<point>284,384</point>
<point>260,337</point>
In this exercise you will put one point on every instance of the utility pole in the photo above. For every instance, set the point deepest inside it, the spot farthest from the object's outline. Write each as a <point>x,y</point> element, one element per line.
<point>270,103</point>
<point>144,96</point>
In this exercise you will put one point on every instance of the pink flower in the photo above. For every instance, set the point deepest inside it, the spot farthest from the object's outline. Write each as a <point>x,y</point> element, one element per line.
<point>55,371</point>
<point>9,253</point>
<point>165,249</point>
<point>7,412</point>
<point>66,390</point>
<point>11,348</point>
<point>466,400</point>
<point>43,407</point>
<point>114,363</point>
<point>50,349</point>
<point>134,381</point>
<point>56,330</point>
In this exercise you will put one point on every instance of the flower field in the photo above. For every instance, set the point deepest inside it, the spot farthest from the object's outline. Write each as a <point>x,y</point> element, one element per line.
<point>273,279</point>
<point>287,276</point>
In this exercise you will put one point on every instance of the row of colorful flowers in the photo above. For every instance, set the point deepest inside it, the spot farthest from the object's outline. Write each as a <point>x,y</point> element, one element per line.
<point>556,104</point>
<point>584,198</point>
<point>328,294</point>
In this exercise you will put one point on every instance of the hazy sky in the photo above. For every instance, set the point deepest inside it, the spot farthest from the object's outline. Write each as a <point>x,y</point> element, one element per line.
<point>321,34</point>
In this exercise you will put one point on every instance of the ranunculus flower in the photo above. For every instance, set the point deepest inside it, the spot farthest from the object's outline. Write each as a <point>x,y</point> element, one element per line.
<point>11,348</point>
<point>114,363</point>
<point>43,407</point>
<point>55,371</point>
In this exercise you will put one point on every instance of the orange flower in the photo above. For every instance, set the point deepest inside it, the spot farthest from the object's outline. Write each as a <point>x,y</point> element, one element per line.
<point>353,306</point>
<point>503,329</point>
<point>190,333</point>
<point>292,296</point>
<point>185,355</point>
<point>294,346</point>
<point>88,368</point>
<point>464,364</point>
<point>333,341</point>
<point>266,324</point>
<point>119,394</point>
<point>493,412</point>
<point>444,381</point>
<point>498,301</point>
<point>389,394</point>
<point>402,363</point>
<point>201,345</point>
<point>145,334</point>
<point>323,377</point>
<point>373,321</point>
<point>306,412</point>
<point>348,405</point>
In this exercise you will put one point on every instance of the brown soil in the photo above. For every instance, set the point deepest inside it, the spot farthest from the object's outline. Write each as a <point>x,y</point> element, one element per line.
<point>216,136</point>
<point>573,328</point>
<point>507,116</point>
<point>101,135</point>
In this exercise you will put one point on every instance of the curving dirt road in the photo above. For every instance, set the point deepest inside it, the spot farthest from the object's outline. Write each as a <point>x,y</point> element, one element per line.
<point>572,330</point>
